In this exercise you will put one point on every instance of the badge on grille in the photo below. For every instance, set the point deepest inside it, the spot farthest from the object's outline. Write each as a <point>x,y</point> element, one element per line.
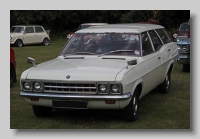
<point>67,76</point>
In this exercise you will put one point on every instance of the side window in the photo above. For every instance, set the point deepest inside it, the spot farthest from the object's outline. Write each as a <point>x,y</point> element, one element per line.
<point>146,44</point>
<point>155,40</point>
<point>163,35</point>
<point>29,30</point>
<point>39,30</point>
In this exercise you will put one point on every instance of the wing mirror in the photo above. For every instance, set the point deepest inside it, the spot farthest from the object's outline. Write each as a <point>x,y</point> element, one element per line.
<point>31,60</point>
<point>132,62</point>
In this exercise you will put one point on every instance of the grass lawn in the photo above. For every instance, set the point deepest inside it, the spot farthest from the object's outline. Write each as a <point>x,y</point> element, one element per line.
<point>157,111</point>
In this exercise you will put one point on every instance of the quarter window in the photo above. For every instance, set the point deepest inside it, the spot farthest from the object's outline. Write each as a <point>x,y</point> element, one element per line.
<point>29,30</point>
<point>38,29</point>
<point>146,44</point>
<point>163,35</point>
<point>155,40</point>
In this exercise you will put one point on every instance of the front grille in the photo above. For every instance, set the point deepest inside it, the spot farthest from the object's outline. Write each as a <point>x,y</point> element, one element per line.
<point>70,87</point>
<point>184,48</point>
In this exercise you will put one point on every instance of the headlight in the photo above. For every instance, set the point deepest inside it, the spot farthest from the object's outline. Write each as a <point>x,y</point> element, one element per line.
<point>115,88</point>
<point>185,47</point>
<point>27,85</point>
<point>103,88</point>
<point>37,86</point>
<point>179,48</point>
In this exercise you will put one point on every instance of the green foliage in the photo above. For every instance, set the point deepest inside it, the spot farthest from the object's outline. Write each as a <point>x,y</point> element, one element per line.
<point>61,22</point>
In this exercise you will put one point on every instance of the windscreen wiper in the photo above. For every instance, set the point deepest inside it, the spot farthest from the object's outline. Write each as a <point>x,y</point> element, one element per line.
<point>86,53</point>
<point>117,51</point>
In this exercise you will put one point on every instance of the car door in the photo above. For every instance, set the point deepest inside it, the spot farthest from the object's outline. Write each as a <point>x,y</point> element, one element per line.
<point>153,61</point>
<point>168,50</point>
<point>29,35</point>
<point>39,32</point>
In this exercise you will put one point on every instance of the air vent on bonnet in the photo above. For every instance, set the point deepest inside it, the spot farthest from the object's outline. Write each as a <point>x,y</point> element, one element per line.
<point>74,58</point>
<point>113,58</point>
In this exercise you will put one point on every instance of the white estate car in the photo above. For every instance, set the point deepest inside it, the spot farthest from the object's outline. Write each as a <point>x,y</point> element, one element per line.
<point>104,67</point>
<point>28,34</point>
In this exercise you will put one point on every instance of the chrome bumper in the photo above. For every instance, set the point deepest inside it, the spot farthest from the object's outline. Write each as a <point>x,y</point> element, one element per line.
<point>75,96</point>
<point>183,59</point>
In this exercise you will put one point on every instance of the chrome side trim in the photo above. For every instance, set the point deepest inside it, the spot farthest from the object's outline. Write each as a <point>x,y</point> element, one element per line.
<point>75,96</point>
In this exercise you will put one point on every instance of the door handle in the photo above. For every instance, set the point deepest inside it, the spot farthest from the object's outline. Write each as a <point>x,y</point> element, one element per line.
<point>159,58</point>
<point>168,50</point>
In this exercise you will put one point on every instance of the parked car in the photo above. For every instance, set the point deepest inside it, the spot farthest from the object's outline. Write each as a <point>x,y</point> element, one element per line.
<point>86,25</point>
<point>28,34</point>
<point>182,38</point>
<point>110,67</point>
<point>13,78</point>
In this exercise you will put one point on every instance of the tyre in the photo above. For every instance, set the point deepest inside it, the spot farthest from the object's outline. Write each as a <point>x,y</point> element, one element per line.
<point>45,42</point>
<point>12,76</point>
<point>41,111</point>
<point>165,86</point>
<point>186,68</point>
<point>130,112</point>
<point>19,43</point>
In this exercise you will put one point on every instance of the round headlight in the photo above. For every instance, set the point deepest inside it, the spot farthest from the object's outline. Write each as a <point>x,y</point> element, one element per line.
<point>185,48</point>
<point>103,88</point>
<point>37,86</point>
<point>115,88</point>
<point>179,48</point>
<point>27,85</point>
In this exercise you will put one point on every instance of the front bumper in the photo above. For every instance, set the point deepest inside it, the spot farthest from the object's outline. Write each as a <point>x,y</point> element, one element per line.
<point>93,101</point>
<point>183,59</point>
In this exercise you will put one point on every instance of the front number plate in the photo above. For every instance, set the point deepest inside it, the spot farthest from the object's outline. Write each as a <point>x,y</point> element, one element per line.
<point>69,104</point>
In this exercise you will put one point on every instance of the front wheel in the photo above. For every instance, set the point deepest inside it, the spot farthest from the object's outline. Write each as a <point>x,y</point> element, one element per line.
<point>41,111</point>
<point>130,112</point>
<point>186,68</point>
<point>45,42</point>
<point>165,86</point>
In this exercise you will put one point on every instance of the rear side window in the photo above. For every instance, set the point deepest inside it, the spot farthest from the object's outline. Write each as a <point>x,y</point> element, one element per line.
<point>38,29</point>
<point>155,40</point>
<point>29,30</point>
<point>164,35</point>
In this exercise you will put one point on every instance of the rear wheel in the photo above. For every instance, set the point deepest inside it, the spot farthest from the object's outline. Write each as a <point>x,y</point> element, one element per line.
<point>19,43</point>
<point>41,111</point>
<point>45,42</point>
<point>165,86</point>
<point>130,112</point>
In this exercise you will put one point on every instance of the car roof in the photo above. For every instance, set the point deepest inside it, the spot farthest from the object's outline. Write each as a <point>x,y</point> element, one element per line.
<point>94,24</point>
<point>27,25</point>
<point>121,28</point>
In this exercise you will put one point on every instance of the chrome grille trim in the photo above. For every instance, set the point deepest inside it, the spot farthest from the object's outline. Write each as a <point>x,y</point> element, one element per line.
<point>85,88</point>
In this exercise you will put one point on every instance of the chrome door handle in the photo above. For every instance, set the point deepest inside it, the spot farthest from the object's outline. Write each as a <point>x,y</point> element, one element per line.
<point>168,50</point>
<point>159,58</point>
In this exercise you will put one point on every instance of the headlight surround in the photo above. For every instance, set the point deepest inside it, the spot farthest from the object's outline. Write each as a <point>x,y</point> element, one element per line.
<point>27,86</point>
<point>37,86</point>
<point>115,88</point>
<point>103,88</point>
